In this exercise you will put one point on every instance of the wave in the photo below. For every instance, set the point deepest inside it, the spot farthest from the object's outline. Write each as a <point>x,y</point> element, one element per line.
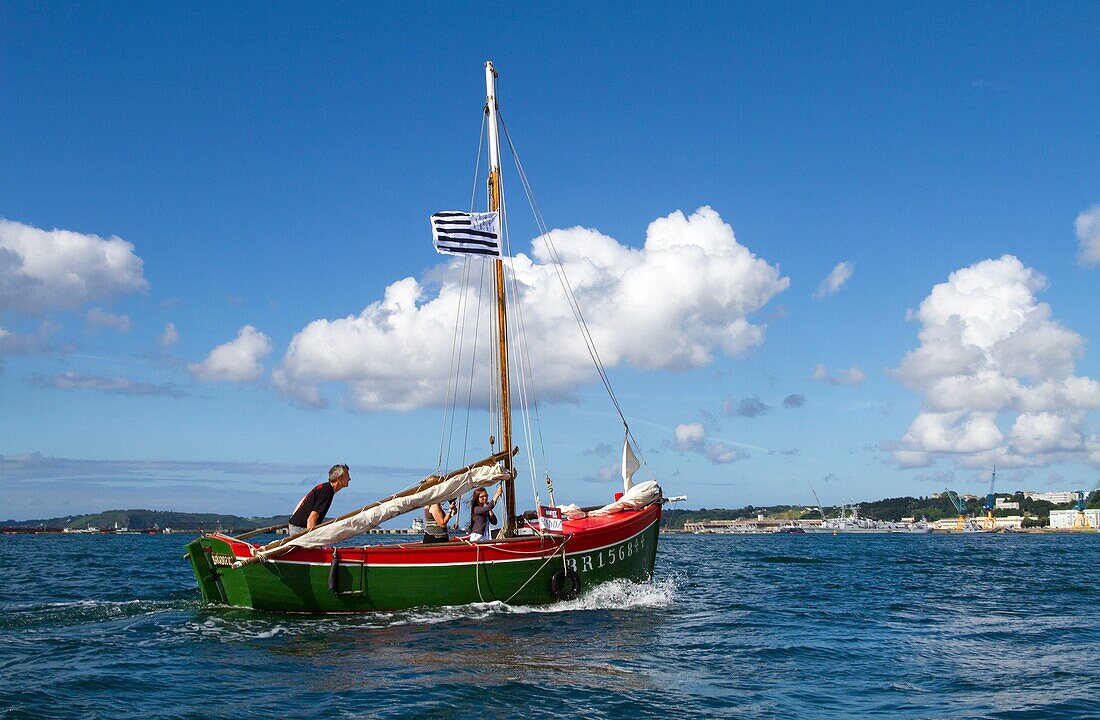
<point>80,612</point>
<point>793,560</point>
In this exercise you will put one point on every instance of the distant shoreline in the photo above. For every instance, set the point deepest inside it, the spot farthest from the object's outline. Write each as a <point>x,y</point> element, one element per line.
<point>1035,514</point>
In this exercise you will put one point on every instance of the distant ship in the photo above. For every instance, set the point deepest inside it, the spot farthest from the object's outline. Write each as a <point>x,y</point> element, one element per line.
<point>864,526</point>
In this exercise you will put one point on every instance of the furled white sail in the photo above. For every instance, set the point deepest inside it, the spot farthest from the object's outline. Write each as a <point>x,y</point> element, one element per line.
<point>637,497</point>
<point>332,533</point>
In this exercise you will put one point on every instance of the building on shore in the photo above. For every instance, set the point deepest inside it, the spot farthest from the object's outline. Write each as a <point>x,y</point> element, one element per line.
<point>1061,497</point>
<point>1008,522</point>
<point>1064,519</point>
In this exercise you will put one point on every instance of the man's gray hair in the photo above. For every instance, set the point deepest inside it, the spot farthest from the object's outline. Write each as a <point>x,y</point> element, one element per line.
<point>336,472</point>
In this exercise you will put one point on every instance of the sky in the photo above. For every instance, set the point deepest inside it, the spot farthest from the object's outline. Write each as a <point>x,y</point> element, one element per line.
<point>853,246</point>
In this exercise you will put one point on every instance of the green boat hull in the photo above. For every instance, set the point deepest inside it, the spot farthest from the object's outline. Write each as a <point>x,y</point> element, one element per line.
<point>392,578</point>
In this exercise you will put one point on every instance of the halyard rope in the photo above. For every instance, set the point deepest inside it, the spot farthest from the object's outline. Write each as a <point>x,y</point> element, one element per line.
<point>450,403</point>
<point>559,268</point>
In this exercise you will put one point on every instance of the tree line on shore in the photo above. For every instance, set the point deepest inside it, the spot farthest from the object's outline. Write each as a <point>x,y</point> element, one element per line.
<point>150,520</point>
<point>1035,512</point>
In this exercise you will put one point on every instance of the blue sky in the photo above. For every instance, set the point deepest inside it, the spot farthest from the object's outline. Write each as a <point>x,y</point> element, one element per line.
<point>258,176</point>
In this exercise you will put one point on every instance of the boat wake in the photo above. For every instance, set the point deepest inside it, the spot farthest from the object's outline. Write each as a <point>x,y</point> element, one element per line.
<point>232,625</point>
<point>613,595</point>
<point>619,595</point>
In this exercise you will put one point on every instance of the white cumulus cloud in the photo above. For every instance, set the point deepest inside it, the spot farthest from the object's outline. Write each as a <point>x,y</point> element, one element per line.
<point>1088,235</point>
<point>834,280</point>
<point>692,437</point>
<point>997,375</point>
<point>44,270</point>
<point>169,337</point>
<point>98,318</point>
<point>26,343</point>
<point>235,361</point>
<point>846,376</point>
<point>686,295</point>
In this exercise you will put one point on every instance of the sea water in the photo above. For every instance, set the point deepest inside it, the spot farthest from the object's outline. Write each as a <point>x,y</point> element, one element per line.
<point>974,626</point>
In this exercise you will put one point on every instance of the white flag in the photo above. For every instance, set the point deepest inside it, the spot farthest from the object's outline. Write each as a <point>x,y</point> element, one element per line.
<point>463,233</point>
<point>630,464</point>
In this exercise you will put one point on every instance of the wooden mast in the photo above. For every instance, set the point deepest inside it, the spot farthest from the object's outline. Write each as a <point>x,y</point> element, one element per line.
<point>502,315</point>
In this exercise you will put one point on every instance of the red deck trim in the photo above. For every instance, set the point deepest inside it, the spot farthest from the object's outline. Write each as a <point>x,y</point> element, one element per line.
<point>581,535</point>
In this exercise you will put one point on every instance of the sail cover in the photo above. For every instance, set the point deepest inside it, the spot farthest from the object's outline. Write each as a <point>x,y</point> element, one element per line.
<point>463,233</point>
<point>639,496</point>
<point>370,517</point>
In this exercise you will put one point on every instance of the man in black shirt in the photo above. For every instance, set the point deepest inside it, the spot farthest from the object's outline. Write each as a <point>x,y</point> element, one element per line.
<point>314,506</point>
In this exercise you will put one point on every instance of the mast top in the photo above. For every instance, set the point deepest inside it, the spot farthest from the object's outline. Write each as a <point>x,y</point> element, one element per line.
<point>491,97</point>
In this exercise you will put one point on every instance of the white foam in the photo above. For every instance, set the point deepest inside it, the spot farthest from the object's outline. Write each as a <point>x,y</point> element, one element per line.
<point>231,629</point>
<point>96,603</point>
<point>619,595</point>
<point>613,595</point>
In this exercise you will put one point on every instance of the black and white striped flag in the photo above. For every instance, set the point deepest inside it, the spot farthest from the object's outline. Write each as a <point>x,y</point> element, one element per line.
<point>463,233</point>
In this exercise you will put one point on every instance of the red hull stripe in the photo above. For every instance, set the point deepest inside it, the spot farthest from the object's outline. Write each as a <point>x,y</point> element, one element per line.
<point>583,536</point>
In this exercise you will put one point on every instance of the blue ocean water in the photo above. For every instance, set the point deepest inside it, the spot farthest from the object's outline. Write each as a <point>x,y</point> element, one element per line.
<point>999,626</point>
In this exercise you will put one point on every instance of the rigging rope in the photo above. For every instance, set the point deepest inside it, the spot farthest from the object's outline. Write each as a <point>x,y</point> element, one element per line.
<point>473,358</point>
<point>477,163</point>
<point>559,268</point>
<point>531,405</point>
<point>454,368</point>
<point>515,320</point>
<point>527,388</point>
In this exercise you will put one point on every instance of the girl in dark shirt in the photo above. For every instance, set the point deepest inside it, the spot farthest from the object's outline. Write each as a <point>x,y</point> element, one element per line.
<point>481,513</point>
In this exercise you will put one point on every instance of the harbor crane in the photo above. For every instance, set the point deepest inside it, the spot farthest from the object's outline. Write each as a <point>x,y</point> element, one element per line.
<point>1081,520</point>
<point>989,523</point>
<point>959,505</point>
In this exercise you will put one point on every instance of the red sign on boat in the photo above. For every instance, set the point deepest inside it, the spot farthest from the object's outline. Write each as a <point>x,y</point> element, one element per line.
<point>550,519</point>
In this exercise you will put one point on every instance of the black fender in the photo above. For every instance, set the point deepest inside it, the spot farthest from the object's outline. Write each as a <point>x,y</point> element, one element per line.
<point>334,574</point>
<point>565,584</point>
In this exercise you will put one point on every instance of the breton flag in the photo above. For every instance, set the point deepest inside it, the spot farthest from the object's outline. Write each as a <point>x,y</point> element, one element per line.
<point>463,233</point>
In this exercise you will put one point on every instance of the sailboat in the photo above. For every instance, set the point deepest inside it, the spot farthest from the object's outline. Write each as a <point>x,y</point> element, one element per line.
<point>547,554</point>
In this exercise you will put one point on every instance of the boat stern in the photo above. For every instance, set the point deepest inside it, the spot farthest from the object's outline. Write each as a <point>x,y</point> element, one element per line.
<point>210,560</point>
